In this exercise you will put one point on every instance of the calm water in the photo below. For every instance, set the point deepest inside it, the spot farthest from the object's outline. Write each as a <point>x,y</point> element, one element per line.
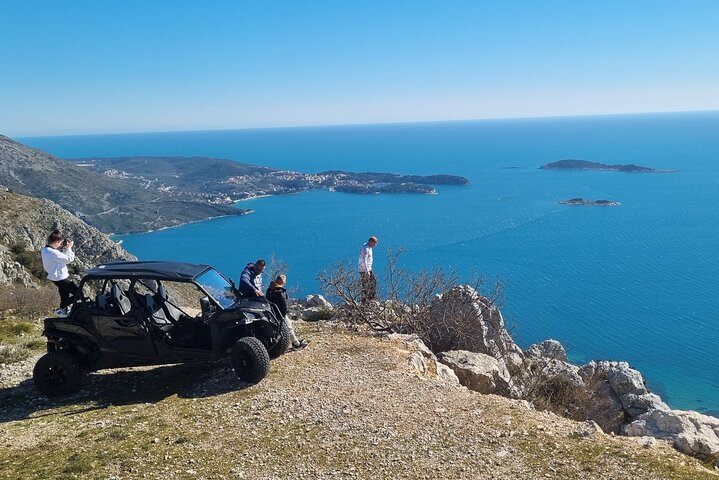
<point>636,282</point>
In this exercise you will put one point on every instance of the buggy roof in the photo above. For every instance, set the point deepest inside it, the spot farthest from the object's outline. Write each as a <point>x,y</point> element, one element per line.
<point>152,269</point>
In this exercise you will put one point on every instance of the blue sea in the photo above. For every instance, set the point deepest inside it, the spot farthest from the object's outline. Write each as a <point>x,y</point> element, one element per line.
<point>637,282</point>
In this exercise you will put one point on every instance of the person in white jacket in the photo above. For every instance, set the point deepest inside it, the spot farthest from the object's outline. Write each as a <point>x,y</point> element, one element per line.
<point>368,281</point>
<point>55,257</point>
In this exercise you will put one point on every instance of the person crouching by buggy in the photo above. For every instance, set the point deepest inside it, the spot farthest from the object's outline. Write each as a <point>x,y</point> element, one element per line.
<point>55,257</point>
<point>277,294</point>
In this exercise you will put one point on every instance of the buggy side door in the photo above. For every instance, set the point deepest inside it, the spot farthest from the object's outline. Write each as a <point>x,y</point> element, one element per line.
<point>122,326</point>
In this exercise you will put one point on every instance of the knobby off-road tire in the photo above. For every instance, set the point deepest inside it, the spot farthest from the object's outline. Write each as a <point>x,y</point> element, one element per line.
<point>250,360</point>
<point>56,374</point>
<point>283,343</point>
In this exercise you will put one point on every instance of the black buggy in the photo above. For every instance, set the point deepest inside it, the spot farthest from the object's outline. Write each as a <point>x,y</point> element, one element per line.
<point>154,313</point>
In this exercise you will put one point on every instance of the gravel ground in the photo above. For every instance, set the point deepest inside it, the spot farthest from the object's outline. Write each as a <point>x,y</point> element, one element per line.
<point>347,406</point>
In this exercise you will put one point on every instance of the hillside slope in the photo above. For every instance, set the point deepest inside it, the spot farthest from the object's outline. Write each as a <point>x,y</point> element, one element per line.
<point>347,406</point>
<point>110,204</point>
<point>25,222</point>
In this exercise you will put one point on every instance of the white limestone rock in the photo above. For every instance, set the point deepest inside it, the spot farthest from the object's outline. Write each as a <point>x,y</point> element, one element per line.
<point>626,383</point>
<point>690,432</point>
<point>422,360</point>
<point>477,371</point>
<point>318,301</point>
<point>550,349</point>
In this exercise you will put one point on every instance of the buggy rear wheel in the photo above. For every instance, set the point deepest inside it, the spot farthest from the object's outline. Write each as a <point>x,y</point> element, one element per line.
<point>250,360</point>
<point>283,341</point>
<point>56,374</point>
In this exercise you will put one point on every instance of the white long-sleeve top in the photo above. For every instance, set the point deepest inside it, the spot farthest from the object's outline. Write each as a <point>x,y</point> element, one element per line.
<point>364,263</point>
<point>55,262</point>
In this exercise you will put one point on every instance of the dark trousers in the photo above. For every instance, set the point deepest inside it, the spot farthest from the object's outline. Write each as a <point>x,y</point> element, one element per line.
<point>67,291</point>
<point>368,286</point>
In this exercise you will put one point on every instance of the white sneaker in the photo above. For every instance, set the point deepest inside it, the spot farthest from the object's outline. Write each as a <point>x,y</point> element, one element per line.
<point>61,312</point>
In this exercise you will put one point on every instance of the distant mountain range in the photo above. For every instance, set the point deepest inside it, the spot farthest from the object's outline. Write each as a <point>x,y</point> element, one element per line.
<point>139,194</point>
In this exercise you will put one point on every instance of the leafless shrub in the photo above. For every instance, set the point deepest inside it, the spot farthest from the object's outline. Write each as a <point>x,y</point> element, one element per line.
<point>404,299</point>
<point>28,302</point>
<point>276,266</point>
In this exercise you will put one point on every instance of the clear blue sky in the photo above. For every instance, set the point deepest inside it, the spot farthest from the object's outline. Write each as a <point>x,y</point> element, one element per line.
<point>91,66</point>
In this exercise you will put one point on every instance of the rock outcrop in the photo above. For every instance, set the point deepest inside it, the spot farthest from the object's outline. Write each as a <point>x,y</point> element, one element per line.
<point>12,271</point>
<point>462,319</point>
<point>317,301</point>
<point>468,332</point>
<point>549,349</point>
<point>624,383</point>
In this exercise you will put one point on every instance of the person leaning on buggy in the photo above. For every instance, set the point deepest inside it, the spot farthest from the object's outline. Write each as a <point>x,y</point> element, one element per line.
<point>277,294</point>
<point>251,279</point>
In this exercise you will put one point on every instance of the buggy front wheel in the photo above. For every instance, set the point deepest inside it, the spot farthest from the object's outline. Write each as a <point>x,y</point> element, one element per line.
<point>250,360</point>
<point>56,374</point>
<point>283,342</point>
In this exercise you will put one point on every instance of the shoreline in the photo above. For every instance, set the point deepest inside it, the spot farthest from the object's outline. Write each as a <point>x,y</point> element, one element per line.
<point>111,235</point>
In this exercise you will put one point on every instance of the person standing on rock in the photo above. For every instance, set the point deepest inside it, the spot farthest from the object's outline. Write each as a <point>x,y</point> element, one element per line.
<point>55,257</point>
<point>251,279</point>
<point>277,294</point>
<point>368,281</point>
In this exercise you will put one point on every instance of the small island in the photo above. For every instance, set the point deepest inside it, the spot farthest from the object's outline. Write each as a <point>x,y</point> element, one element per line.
<point>584,201</point>
<point>587,165</point>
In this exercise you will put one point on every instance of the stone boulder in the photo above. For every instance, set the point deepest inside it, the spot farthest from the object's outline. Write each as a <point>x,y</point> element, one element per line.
<point>312,314</point>
<point>558,371</point>
<point>314,308</point>
<point>547,373</point>
<point>317,301</point>
<point>690,432</point>
<point>422,360</point>
<point>550,349</point>
<point>477,371</point>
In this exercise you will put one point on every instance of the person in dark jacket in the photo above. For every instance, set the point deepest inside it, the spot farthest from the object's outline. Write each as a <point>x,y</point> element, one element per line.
<point>277,294</point>
<point>251,279</point>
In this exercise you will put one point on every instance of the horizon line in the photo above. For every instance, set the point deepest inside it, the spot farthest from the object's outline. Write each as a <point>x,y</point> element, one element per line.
<point>369,124</point>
